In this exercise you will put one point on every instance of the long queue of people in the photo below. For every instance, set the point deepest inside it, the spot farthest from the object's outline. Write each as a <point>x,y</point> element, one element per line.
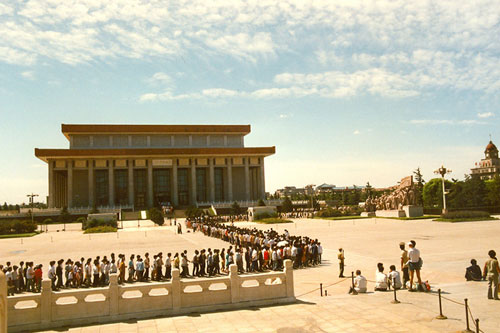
<point>260,248</point>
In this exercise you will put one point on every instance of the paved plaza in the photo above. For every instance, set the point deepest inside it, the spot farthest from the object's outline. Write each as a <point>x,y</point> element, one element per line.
<point>446,249</point>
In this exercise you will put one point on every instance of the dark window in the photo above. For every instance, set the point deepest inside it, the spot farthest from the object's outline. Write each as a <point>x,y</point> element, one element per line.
<point>140,188</point>
<point>201,185</point>
<point>183,186</point>
<point>161,186</point>
<point>121,187</point>
<point>101,188</point>
<point>219,184</point>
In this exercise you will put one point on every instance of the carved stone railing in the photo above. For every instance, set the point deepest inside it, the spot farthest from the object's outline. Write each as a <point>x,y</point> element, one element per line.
<point>145,300</point>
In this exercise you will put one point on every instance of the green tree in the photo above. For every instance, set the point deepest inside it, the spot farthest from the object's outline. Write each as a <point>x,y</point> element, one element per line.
<point>493,189</point>
<point>235,208</point>
<point>65,216</point>
<point>261,203</point>
<point>287,205</point>
<point>433,192</point>
<point>419,185</point>
<point>156,216</point>
<point>475,192</point>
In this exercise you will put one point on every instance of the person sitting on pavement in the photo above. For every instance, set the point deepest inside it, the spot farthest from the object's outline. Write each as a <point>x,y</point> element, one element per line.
<point>380,278</point>
<point>360,283</point>
<point>394,278</point>
<point>473,272</point>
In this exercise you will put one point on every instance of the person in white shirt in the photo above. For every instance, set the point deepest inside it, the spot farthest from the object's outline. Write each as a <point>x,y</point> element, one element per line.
<point>394,278</point>
<point>320,252</point>
<point>360,283</point>
<point>415,264</point>
<point>52,274</point>
<point>380,278</point>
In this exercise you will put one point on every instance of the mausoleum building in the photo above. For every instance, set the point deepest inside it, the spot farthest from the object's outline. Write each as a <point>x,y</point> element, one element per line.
<point>140,166</point>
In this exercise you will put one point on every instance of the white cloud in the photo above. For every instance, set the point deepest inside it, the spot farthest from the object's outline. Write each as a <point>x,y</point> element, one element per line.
<point>160,78</point>
<point>30,75</point>
<point>486,115</point>
<point>88,30</point>
<point>446,122</point>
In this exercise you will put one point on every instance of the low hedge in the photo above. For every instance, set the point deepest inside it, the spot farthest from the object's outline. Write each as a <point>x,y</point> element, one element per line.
<point>273,220</point>
<point>100,229</point>
<point>265,215</point>
<point>88,224</point>
<point>465,214</point>
<point>11,227</point>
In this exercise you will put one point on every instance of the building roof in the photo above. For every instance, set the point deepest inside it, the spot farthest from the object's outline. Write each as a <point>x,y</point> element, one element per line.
<point>491,147</point>
<point>68,129</point>
<point>45,154</point>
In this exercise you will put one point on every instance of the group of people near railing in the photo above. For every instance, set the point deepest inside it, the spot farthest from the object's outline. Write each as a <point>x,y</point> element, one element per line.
<point>298,214</point>
<point>262,249</point>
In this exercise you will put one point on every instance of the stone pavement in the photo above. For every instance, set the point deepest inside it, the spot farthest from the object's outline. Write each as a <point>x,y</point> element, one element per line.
<point>446,249</point>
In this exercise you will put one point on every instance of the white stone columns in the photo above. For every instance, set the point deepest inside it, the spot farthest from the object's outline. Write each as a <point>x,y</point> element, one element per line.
<point>290,293</point>
<point>150,182</point>
<point>131,182</point>
<point>193,182</point>
<point>235,283</point>
<point>247,178</point>
<point>52,192</point>
<point>229,180</point>
<point>46,302</point>
<point>175,190</point>
<point>114,296</point>
<point>111,184</point>
<point>262,180</point>
<point>211,179</point>
<point>91,182</point>
<point>176,290</point>
<point>70,183</point>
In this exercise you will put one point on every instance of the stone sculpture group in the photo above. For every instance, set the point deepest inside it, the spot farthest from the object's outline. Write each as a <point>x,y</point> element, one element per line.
<point>404,195</point>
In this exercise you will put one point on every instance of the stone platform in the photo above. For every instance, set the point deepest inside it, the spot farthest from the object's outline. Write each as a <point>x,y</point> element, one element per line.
<point>390,213</point>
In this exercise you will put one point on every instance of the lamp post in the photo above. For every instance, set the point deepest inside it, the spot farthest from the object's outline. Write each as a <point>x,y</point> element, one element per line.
<point>32,202</point>
<point>311,186</point>
<point>443,171</point>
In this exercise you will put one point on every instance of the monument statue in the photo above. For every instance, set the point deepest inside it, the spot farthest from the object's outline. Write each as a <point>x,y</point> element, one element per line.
<point>403,195</point>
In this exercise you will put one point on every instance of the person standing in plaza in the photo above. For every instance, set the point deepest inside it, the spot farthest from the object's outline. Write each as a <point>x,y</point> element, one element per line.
<point>341,258</point>
<point>491,271</point>
<point>146,267</point>
<point>168,266</point>
<point>404,264</point>
<point>414,264</point>
<point>52,275</point>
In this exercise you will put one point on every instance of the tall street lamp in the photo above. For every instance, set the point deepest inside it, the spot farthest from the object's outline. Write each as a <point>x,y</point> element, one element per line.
<point>32,202</point>
<point>443,171</point>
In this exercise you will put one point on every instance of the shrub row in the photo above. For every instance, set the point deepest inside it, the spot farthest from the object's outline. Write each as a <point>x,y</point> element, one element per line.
<point>465,214</point>
<point>101,229</point>
<point>87,224</point>
<point>10,227</point>
<point>265,215</point>
<point>332,212</point>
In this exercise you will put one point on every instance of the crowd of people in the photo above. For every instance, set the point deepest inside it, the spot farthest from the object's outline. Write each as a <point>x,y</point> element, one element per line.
<point>410,263</point>
<point>262,249</point>
<point>252,251</point>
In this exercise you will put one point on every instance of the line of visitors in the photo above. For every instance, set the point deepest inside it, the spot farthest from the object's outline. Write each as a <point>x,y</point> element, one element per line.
<point>263,249</point>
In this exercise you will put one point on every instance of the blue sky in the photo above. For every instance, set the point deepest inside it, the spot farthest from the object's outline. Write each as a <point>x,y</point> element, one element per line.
<point>347,91</point>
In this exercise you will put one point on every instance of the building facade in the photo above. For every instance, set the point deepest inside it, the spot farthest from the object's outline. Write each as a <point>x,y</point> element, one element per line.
<point>140,166</point>
<point>489,165</point>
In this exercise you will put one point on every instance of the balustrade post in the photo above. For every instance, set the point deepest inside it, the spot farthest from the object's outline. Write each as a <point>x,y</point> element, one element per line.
<point>176,289</point>
<point>235,283</point>
<point>46,302</point>
<point>3,302</point>
<point>289,279</point>
<point>114,296</point>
